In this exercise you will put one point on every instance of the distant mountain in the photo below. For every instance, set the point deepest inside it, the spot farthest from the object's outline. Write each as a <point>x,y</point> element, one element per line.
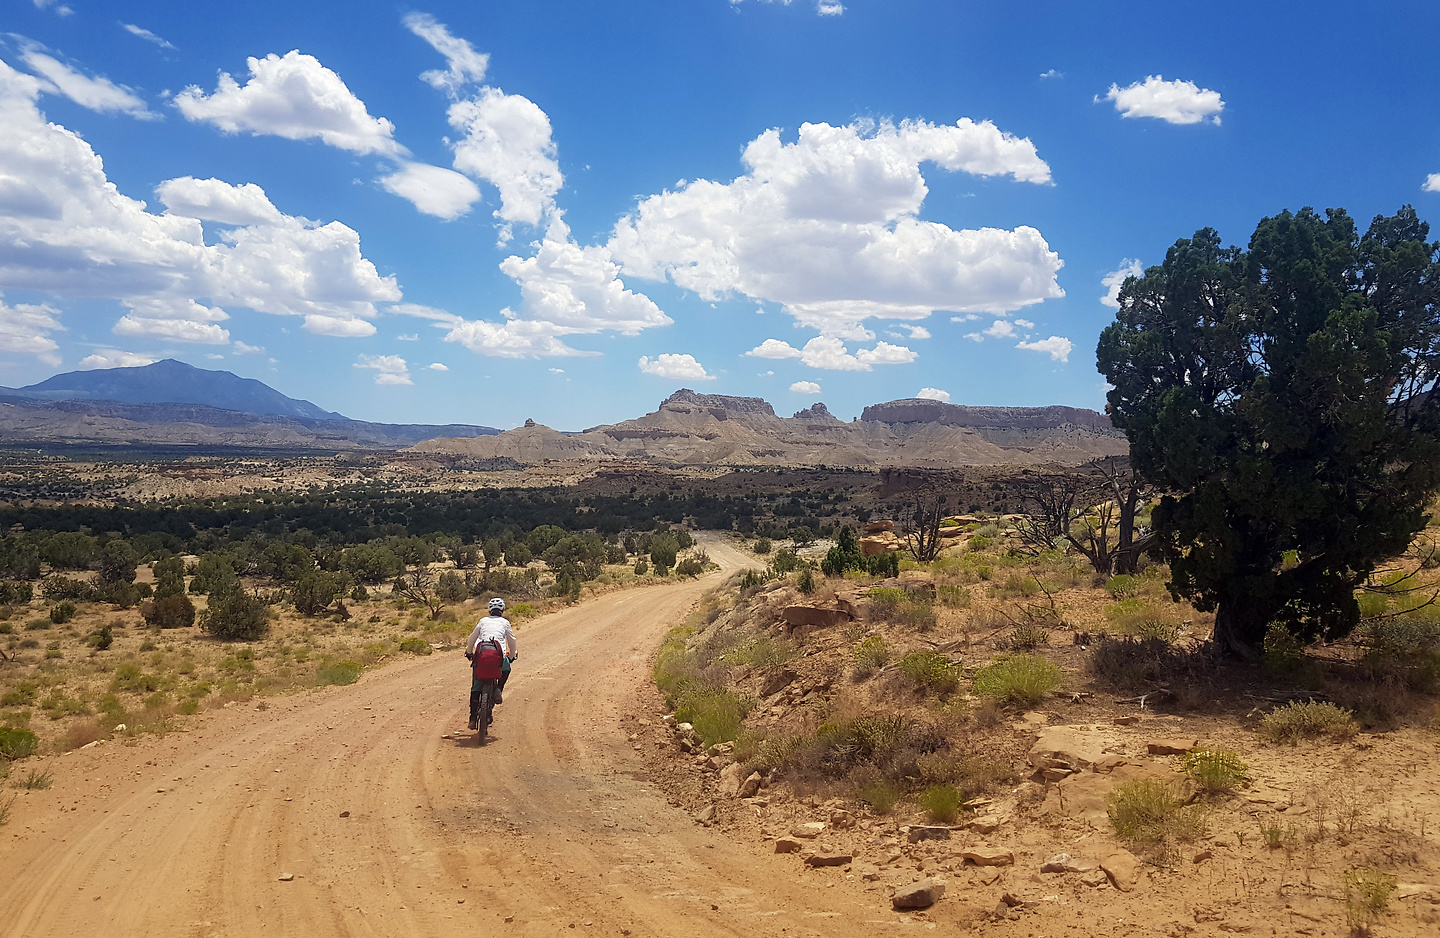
<point>718,430</point>
<point>172,382</point>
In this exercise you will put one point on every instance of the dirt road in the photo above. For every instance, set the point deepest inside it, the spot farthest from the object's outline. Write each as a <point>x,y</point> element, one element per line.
<point>388,829</point>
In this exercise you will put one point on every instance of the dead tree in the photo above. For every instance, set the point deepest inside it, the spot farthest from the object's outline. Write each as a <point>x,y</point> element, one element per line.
<point>419,587</point>
<point>1109,498</point>
<point>921,524</point>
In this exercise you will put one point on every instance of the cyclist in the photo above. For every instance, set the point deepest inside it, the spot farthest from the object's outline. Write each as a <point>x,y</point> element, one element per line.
<point>493,628</point>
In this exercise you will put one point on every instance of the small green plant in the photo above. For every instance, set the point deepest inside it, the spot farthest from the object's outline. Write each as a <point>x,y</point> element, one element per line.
<point>1367,896</point>
<point>805,583</point>
<point>716,713</point>
<point>36,780</point>
<point>416,645</point>
<point>931,671</point>
<point>1017,679</point>
<point>1215,770</point>
<point>953,596</point>
<point>60,613</point>
<point>5,807</point>
<point>763,545</point>
<point>340,672</point>
<point>1296,721</point>
<point>871,655</point>
<point>1151,811</point>
<point>16,743</point>
<point>880,795</point>
<point>943,802</point>
<point>1028,637</point>
<point>1122,586</point>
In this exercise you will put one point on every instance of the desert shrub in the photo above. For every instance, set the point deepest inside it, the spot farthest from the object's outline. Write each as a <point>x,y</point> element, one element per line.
<point>16,594</point>
<point>885,601</point>
<point>1283,653</point>
<point>786,561</point>
<point>1151,811</point>
<point>978,542</point>
<point>36,780</point>
<point>953,595</point>
<point>1019,585</point>
<point>1296,721</point>
<point>805,583</point>
<point>236,617</point>
<point>888,744</point>
<point>1027,637</point>
<point>102,638</point>
<point>451,587</point>
<point>5,807</point>
<point>21,695</point>
<point>1017,679</point>
<point>931,671</point>
<point>63,587</point>
<point>17,743</point>
<point>761,652</point>
<point>880,794</point>
<point>168,612</point>
<point>692,567</point>
<point>1367,896</point>
<point>716,713</point>
<point>60,613</point>
<point>642,567</point>
<point>416,645</point>
<point>943,802</point>
<point>1215,770</point>
<point>763,545</point>
<point>359,594</point>
<point>870,656</point>
<point>1122,586</point>
<point>1405,647</point>
<point>338,672</point>
<point>1140,664</point>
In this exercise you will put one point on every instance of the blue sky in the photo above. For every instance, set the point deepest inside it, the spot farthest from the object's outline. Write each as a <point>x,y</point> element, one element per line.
<point>486,211</point>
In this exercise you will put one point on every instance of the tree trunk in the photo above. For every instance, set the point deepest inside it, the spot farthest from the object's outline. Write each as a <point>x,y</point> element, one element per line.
<point>1236,630</point>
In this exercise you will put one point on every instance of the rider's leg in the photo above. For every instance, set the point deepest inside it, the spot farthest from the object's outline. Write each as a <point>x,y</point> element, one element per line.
<point>504,676</point>
<point>474,705</point>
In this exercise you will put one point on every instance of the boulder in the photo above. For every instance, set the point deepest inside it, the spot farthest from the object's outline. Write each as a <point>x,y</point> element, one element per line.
<point>1064,863</point>
<point>984,824</point>
<point>729,783</point>
<point>1063,747</point>
<point>796,616</point>
<point>788,845</point>
<point>1170,747</point>
<point>918,895</point>
<point>876,544</point>
<point>917,834</point>
<point>751,785</point>
<point>776,681</point>
<point>829,859</point>
<point>706,815</point>
<point>1122,867</point>
<point>809,830</point>
<point>988,856</point>
<point>875,527</point>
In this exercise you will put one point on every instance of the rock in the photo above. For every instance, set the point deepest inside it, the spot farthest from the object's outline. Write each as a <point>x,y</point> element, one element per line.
<point>818,616</point>
<point>1094,878</point>
<point>706,815</point>
<point>985,824</point>
<point>829,859</point>
<point>869,872</point>
<point>729,783</point>
<point>918,834</point>
<point>1109,764</point>
<point>1202,856</point>
<point>1056,775</point>
<point>875,527</point>
<point>717,763</point>
<point>1127,721</point>
<point>1064,863</point>
<point>808,830</point>
<point>788,845</point>
<point>1170,747</point>
<point>988,856</point>
<point>751,785</point>
<point>287,877</point>
<point>918,895</point>
<point>884,543</point>
<point>841,819</point>
<point>344,813</point>
<point>776,681</point>
<point>684,728</point>
<point>1035,718</point>
<point>1061,747</point>
<point>1122,868</point>
<point>1083,795</point>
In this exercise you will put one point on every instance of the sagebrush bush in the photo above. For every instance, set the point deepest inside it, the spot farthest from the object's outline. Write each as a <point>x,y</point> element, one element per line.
<point>943,802</point>
<point>339,672</point>
<point>931,671</point>
<point>236,617</point>
<point>416,645</point>
<point>1308,720</point>
<point>1017,679</point>
<point>1367,896</point>
<point>871,655</point>
<point>1151,811</point>
<point>1140,664</point>
<point>1215,770</point>
<point>17,743</point>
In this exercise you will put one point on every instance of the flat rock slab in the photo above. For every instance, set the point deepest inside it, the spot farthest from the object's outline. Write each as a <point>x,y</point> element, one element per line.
<point>989,856</point>
<point>984,824</point>
<point>1065,863</point>
<point>1083,795</point>
<point>808,830</point>
<point>829,859</point>
<point>918,895</point>
<point>1065,747</point>
<point>918,834</point>
<point>1123,869</point>
<point>788,845</point>
<point>1170,746</point>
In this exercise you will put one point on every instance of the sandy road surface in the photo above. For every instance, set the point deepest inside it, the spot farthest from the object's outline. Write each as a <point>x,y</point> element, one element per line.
<point>551,826</point>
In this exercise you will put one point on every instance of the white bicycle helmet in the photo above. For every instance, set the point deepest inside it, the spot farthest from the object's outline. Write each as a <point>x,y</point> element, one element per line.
<point>497,605</point>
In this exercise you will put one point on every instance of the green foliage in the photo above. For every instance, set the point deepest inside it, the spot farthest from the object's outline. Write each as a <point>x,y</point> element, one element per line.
<point>451,587</point>
<point>1284,396</point>
<point>880,795</point>
<point>716,713</point>
<point>102,638</point>
<point>215,573</point>
<point>1151,811</point>
<point>63,588</point>
<point>1406,647</point>
<point>1296,721</point>
<point>60,613</point>
<point>36,780</point>
<point>662,552</point>
<point>1367,896</point>
<point>762,546</point>
<point>314,591</point>
<point>416,645</point>
<point>1027,637</point>
<point>642,567</point>
<point>805,582</point>
<point>1215,770</point>
<point>236,617</point>
<point>338,672</point>
<point>931,671</point>
<point>16,594</point>
<point>689,567</point>
<point>953,595</point>
<point>871,655</point>
<point>169,612</point>
<point>846,555</point>
<point>1122,586</point>
<point>169,577</point>
<point>20,695</point>
<point>116,564</point>
<point>943,802</point>
<point>1017,679</point>
<point>16,743</point>
<point>786,561</point>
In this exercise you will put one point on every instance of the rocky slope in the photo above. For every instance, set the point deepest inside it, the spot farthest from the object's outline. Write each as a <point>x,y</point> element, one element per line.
<point>714,429</point>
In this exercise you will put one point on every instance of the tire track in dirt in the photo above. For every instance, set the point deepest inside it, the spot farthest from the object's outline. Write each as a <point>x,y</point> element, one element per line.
<point>552,824</point>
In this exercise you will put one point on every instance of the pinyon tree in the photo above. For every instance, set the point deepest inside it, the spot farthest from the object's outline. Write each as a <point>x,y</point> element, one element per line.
<point>1284,397</point>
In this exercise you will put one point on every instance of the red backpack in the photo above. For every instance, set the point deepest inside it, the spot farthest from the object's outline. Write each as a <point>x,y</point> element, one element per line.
<point>488,661</point>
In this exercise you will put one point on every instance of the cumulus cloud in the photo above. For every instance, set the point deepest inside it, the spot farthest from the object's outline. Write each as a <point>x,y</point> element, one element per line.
<point>1175,102</point>
<point>933,394</point>
<point>1056,347</point>
<point>507,143</point>
<point>1113,281</point>
<point>912,332</point>
<point>1052,73</point>
<point>1432,183</point>
<point>999,329</point>
<point>465,65</point>
<point>676,367</point>
<point>565,289</point>
<point>241,348</point>
<point>805,387</point>
<point>25,329</point>
<point>92,93</point>
<point>827,227</point>
<point>774,348</point>
<point>885,354</point>
<point>433,190</point>
<point>438,366</point>
<point>114,358</point>
<point>831,353</point>
<point>66,229</point>
<point>295,97</point>
<point>390,369</point>
<point>146,34</point>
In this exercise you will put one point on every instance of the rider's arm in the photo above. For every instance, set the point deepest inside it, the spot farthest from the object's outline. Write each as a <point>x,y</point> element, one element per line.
<point>473,640</point>
<point>511,648</point>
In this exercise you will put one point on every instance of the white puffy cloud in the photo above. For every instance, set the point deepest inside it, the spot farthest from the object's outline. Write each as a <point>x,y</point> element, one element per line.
<point>1052,73</point>
<point>95,94</point>
<point>433,190</point>
<point>219,201</point>
<point>1056,347</point>
<point>565,289</point>
<point>114,358</point>
<point>242,348</point>
<point>913,332</point>
<point>507,143</point>
<point>1113,281</point>
<point>885,354</point>
<point>342,327</point>
<point>933,394</point>
<point>676,367</point>
<point>822,7</point>
<point>146,34</point>
<point>66,229</point>
<point>805,387</point>
<point>25,329</point>
<point>438,366</point>
<point>390,369</point>
<point>465,64</point>
<point>295,97</point>
<point>1175,102</point>
<point>827,226</point>
<point>999,329</point>
<point>61,9</point>
<point>1432,183</point>
<point>774,348</point>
